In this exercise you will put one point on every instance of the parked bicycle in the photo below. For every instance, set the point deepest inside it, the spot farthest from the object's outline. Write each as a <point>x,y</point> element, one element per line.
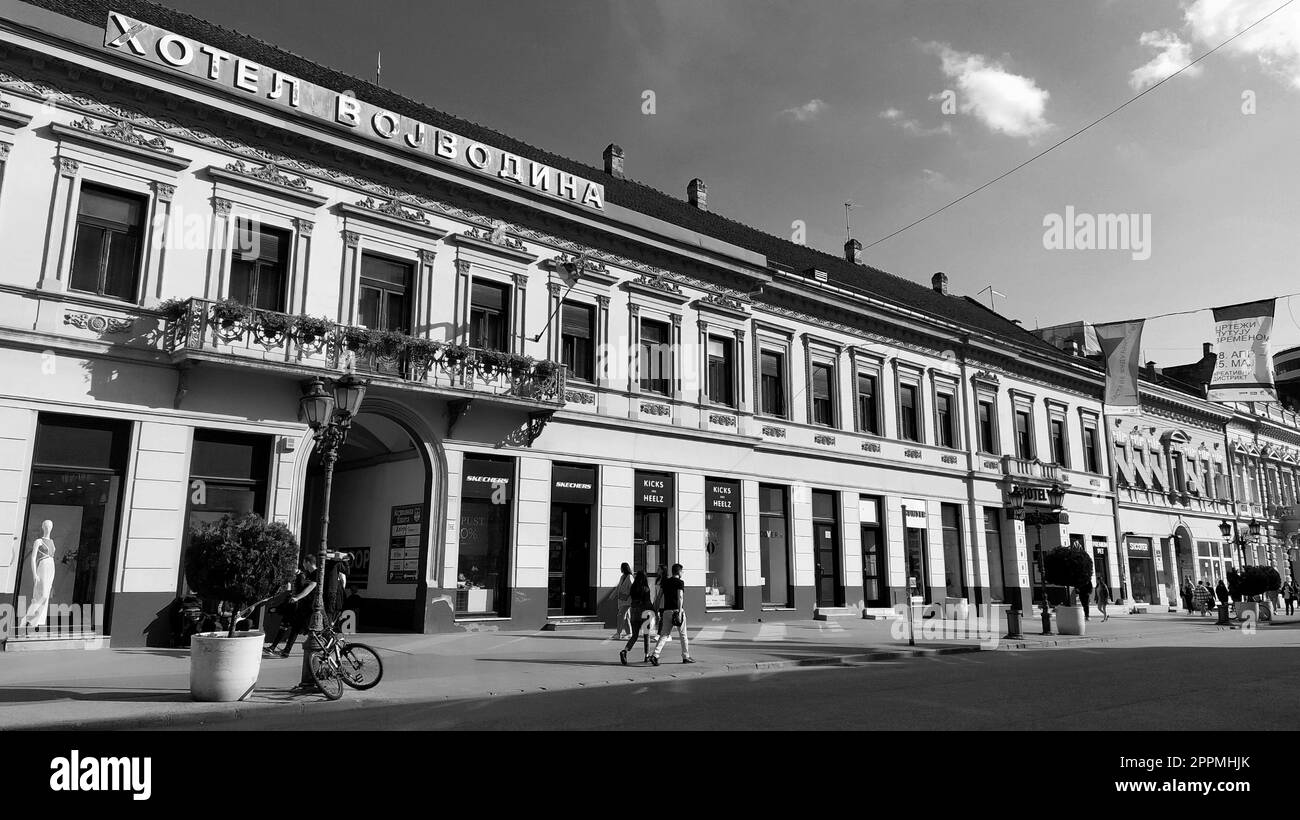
<point>337,662</point>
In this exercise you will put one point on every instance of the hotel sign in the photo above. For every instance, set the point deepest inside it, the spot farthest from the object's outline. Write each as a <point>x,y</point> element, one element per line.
<point>230,72</point>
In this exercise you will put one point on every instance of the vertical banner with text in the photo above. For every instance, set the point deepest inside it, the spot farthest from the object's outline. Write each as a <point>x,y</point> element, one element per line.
<point>1244,368</point>
<point>1121,345</point>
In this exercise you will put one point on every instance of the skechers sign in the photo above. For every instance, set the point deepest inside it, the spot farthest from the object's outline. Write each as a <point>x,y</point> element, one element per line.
<point>230,72</point>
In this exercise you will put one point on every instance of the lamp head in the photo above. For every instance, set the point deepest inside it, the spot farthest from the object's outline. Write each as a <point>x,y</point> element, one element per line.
<point>316,405</point>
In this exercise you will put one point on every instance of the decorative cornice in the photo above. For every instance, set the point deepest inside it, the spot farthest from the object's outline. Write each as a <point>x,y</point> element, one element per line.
<point>393,208</point>
<point>822,438</point>
<point>497,236</point>
<point>722,419</point>
<point>124,132</point>
<point>163,191</point>
<point>351,239</point>
<point>303,226</point>
<point>652,409</point>
<point>658,283</point>
<point>579,397</point>
<point>68,167</point>
<point>269,172</point>
<point>221,206</point>
<point>773,432</point>
<point>97,323</point>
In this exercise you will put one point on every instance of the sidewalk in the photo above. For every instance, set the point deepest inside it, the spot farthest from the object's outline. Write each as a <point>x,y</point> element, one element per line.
<point>149,688</point>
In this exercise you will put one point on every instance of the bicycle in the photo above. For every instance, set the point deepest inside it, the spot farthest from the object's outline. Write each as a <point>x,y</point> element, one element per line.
<point>336,662</point>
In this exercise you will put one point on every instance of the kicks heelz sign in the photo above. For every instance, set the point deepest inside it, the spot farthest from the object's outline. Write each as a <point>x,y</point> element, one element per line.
<point>236,74</point>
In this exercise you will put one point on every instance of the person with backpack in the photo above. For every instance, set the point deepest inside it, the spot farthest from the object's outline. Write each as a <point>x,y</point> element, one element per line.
<point>623,599</point>
<point>673,616</point>
<point>642,614</point>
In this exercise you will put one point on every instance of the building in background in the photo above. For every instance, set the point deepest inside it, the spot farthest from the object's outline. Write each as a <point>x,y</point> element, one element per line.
<point>1286,370</point>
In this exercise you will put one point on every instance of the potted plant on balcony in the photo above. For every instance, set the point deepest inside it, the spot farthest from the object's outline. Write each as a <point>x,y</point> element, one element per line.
<point>310,331</point>
<point>1255,582</point>
<point>356,338</point>
<point>173,310</point>
<point>520,365</point>
<point>386,344</point>
<point>545,369</point>
<point>273,328</point>
<point>492,362</point>
<point>231,564</point>
<point>421,354</point>
<point>1071,567</point>
<point>229,315</point>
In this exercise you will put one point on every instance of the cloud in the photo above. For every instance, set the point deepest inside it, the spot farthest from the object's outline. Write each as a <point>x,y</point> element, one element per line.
<point>913,127</point>
<point>934,179</point>
<point>1006,103</point>
<point>1275,43</point>
<point>1171,54</point>
<point>803,113</point>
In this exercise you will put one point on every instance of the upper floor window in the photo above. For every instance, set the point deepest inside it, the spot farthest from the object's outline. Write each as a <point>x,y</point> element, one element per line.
<point>259,265</point>
<point>868,407</point>
<point>909,416</point>
<point>656,357</point>
<point>720,382</point>
<point>1056,430</point>
<point>823,393</point>
<point>946,420</point>
<point>489,316</point>
<point>385,300</point>
<point>1091,462</point>
<point>107,249</point>
<point>987,422</point>
<point>772,382</point>
<point>577,323</point>
<point>1024,434</point>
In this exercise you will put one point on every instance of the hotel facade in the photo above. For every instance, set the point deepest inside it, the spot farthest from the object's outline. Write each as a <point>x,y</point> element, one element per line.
<point>567,370</point>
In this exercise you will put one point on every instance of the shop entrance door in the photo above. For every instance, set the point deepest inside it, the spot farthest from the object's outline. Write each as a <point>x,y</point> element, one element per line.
<point>827,557</point>
<point>1140,575</point>
<point>875,586</point>
<point>568,583</point>
<point>650,541</point>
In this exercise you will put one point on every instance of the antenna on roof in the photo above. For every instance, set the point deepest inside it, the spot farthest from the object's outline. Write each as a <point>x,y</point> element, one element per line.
<point>848,231</point>
<point>993,293</point>
<point>379,67</point>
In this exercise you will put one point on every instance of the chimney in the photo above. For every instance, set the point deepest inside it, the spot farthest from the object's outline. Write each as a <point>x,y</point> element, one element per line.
<point>614,160</point>
<point>853,251</point>
<point>1072,347</point>
<point>939,282</point>
<point>1207,350</point>
<point>698,193</point>
<point>1151,370</point>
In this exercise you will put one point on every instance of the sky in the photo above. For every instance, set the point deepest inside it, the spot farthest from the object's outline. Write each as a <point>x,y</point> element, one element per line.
<point>788,110</point>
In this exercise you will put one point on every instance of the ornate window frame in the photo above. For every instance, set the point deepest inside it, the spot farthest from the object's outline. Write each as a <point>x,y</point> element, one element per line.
<point>871,364</point>
<point>985,387</point>
<point>946,384</point>
<point>366,229</point>
<point>1024,401</point>
<point>492,256</point>
<point>913,375</point>
<point>1058,410</point>
<point>780,340</point>
<point>820,350</point>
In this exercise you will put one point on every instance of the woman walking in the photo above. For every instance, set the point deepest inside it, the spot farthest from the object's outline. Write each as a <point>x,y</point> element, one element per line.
<point>623,597</point>
<point>1202,596</point>
<point>643,615</point>
<point>1103,598</point>
<point>1187,595</point>
<point>1289,595</point>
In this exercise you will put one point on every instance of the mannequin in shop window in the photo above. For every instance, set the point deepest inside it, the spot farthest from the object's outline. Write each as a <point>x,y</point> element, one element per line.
<point>43,550</point>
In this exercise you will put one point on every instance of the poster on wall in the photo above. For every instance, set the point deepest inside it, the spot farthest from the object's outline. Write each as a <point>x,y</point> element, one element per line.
<point>405,536</point>
<point>1243,370</point>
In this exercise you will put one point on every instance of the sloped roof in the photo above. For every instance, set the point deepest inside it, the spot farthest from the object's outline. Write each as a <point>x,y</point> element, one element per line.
<point>624,192</point>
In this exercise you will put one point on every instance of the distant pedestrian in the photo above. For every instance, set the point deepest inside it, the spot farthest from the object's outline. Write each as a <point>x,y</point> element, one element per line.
<point>1202,596</point>
<point>1221,592</point>
<point>673,616</point>
<point>1188,601</point>
<point>623,598</point>
<point>1103,598</point>
<point>1289,595</point>
<point>1085,592</point>
<point>642,614</point>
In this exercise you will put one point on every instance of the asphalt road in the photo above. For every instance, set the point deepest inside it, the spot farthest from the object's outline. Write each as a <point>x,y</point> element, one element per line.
<point>1102,688</point>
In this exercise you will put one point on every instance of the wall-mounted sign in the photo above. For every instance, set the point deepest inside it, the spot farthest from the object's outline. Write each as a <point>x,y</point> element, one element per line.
<point>654,490</point>
<point>231,72</point>
<point>721,496</point>
<point>488,478</point>
<point>405,539</point>
<point>868,511</point>
<point>573,485</point>
<point>1139,548</point>
<point>917,512</point>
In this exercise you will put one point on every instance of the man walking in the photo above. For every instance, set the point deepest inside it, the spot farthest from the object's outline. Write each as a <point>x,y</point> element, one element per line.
<point>673,615</point>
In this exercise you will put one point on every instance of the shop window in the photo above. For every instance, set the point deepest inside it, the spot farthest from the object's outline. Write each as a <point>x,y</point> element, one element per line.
<point>483,563</point>
<point>722,581</point>
<point>577,324</point>
<point>73,514</point>
<point>994,557</point>
<point>489,317</point>
<point>651,522</point>
<point>385,302</point>
<point>868,403</point>
<point>954,556</point>
<point>772,382</point>
<point>107,249</point>
<point>774,550</point>
<point>258,266</point>
<point>656,357</point>
<point>823,394</point>
<point>229,473</point>
<point>721,381</point>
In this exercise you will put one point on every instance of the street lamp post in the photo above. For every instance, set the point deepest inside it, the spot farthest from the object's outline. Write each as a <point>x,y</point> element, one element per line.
<point>329,417</point>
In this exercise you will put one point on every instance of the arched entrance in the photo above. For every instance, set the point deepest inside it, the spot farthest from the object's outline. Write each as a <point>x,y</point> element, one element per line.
<point>380,511</point>
<point>1184,559</point>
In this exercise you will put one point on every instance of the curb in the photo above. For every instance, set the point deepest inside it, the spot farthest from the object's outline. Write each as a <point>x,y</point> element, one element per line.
<point>224,714</point>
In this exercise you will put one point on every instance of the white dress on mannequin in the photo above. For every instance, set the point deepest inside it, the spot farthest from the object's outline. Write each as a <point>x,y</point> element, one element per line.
<point>43,573</point>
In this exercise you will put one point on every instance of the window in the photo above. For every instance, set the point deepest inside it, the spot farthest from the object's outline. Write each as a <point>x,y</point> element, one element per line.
<point>954,557</point>
<point>385,301</point>
<point>823,394</point>
<point>489,317</point>
<point>909,416</point>
<point>656,358</point>
<point>868,414</point>
<point>772,382</point>
<point>576,350</point>
<point>993,552</point>
<point>720,381</point>
<point>1056,429</point>
<point>1024,435</point>
<point>107,248</point>
<point>947,431</point>
<point>987,426</point>
<point>1090,460</point>
<point>774,558</point>
<point>229,473</point>
<point>258,265</point>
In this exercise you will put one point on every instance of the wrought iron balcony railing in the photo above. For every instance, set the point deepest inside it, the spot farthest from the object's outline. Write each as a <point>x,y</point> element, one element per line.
<point>232,331</point>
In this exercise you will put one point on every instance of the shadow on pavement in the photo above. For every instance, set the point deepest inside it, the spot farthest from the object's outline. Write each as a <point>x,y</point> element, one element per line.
<point>32,695</point>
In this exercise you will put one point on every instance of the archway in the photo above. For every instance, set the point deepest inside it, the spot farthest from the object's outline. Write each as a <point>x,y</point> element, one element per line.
<point>1184,560</point>
<point>381,513</point>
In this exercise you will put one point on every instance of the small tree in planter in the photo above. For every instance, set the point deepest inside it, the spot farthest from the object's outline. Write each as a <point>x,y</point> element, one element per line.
<point>1255,583</point>
<point>231,564</point>
<point>1072,567</point>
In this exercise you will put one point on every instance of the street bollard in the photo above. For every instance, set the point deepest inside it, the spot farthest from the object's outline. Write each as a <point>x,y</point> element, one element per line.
<point>1223,616</point>
<point>1013,625</point>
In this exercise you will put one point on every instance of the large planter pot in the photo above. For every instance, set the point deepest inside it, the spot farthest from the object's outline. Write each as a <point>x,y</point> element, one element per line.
<point>222,668</point>
<point>1069,620</point>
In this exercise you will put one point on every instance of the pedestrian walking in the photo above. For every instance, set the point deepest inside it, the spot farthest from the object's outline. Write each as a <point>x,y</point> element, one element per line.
<point>623,598</point>
<point>642,614</point>
<point>1103,598</point>
<point>1202,596</point>
<point>295,612</point>
<point>673,616</point>
<point>1221,592</point>
<point>1187,595</point>
<point>1289,595</point>
<point>1085,592</point>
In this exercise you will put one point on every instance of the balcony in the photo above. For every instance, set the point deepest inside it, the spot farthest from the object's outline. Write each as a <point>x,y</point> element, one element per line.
<point>1029,468</point>
<point>224,332</point>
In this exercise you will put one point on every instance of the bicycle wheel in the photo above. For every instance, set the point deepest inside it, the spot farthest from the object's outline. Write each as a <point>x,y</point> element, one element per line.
<point>326,674</point>
<point>360,666</point>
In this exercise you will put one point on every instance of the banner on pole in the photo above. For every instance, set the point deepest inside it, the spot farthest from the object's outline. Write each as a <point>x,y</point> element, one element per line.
<point>1243,370</point>
<point>1121,345</point>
